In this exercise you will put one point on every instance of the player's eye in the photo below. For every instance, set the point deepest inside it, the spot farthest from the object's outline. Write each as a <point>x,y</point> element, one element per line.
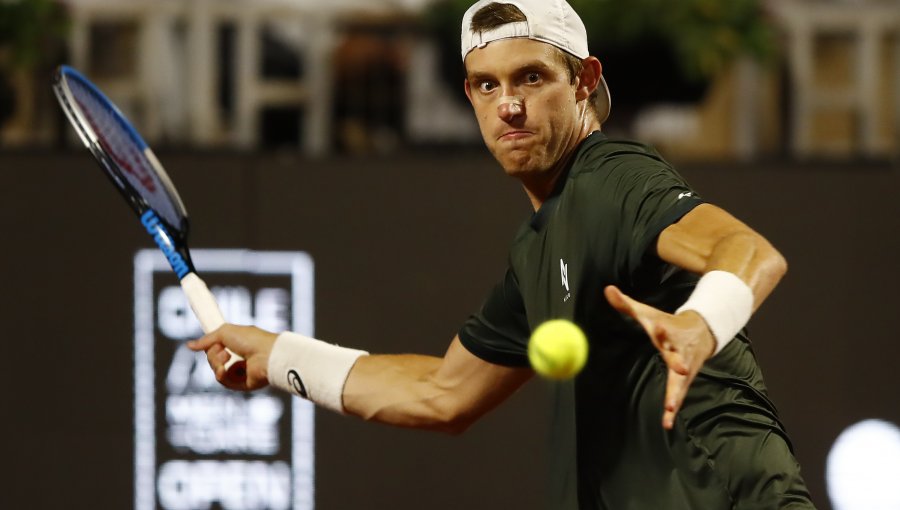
<point>533,77</point>
<point>486,86</point>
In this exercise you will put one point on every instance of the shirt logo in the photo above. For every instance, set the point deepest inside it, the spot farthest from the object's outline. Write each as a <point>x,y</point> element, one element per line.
<point>683,195</point>
<point>564,271</point>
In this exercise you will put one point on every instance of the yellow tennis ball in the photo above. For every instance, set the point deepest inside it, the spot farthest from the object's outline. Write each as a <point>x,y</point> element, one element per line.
<point>558,349</point>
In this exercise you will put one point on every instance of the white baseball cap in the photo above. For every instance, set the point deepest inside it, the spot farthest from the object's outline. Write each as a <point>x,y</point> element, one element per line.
<point>549,21</point>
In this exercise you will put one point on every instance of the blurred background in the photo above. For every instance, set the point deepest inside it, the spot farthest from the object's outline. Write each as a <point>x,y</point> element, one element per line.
<point>341,129</point>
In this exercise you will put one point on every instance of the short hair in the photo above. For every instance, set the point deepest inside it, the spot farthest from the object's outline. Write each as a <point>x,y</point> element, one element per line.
<point>498,14</point>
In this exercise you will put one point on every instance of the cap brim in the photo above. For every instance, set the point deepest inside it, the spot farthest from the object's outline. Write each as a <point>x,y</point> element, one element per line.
<point>604,100</point>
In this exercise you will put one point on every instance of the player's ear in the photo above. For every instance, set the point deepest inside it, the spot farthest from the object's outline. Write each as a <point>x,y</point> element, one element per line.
<point>468,89</point>
<point>589,78</point>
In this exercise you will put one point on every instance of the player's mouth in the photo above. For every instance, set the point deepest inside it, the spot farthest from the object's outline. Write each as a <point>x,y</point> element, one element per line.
<point>514,135</point>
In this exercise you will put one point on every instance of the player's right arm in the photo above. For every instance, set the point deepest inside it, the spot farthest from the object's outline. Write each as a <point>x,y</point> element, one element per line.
<point>446,393</point>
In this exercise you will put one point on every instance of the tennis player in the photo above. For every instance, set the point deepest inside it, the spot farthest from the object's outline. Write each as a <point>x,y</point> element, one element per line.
<point>618,243</point>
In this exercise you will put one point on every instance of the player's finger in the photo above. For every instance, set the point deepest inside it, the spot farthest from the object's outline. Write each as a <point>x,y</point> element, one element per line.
<point>222,376</point>
<point>668,419</point>
<point>623,303</point>
<point>676,362</point>
<point>676,386</point>
<point>253,382</point>
<point>615,298</point>
<point>660,337</point>
<point>222,356</point>
<point>676,389</point>
<point>675,358</point>
<point>229,380</point>
<point>205,342</point>
<point>212,356</point>
<point>634,309</point>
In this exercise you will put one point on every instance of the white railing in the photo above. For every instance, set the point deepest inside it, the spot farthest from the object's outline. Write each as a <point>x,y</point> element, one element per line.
<point>870,25</point>
<point>173,84</point>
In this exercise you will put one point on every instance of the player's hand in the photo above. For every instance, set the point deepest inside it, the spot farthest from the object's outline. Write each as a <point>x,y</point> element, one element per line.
<point>252,343</point>
<point>683,340</point>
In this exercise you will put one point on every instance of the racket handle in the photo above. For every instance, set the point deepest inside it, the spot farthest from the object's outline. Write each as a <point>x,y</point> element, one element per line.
<point>204,305</point>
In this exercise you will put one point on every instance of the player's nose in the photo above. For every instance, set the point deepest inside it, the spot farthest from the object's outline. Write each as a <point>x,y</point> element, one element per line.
<point>510,107</point>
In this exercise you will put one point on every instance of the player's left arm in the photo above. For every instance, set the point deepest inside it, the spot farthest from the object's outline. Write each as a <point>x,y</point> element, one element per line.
<point>737,262</point>
<point>709,238</point>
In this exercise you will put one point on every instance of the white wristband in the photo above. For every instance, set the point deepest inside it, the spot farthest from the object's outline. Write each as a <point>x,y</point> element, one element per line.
<point>724,301</point>
<point>311,368</point>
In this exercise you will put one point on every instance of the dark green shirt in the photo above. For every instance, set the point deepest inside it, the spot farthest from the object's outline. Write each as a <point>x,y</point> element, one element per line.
<point>599,228</point>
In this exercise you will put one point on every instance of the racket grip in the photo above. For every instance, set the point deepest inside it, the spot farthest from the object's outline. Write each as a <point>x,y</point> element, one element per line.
<point>204,305</point>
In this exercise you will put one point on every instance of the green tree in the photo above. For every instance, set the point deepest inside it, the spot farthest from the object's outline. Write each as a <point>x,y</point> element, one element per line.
<point>704,36</point>
<point>30,30</point>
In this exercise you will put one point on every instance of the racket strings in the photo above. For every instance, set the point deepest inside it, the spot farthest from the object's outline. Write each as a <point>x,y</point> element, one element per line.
<point>118,142</point>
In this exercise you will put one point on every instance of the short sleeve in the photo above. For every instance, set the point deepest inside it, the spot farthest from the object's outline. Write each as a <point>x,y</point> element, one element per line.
<point>499,332</point>
<point>651,196</point>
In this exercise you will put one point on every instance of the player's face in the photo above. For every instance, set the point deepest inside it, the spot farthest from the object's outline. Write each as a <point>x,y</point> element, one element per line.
<point>525,104</point>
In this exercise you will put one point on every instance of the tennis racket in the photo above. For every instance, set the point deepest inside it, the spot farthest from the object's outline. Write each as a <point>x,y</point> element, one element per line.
<point>140,178</point>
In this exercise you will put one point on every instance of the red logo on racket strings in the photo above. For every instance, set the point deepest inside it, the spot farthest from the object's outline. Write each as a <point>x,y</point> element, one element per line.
<point>143,177</point>
<point>139,173</point>
<point>297,383</point>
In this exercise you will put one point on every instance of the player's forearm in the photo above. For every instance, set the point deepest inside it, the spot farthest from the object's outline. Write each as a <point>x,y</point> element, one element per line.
<point>446,394</point>
<point>709,239</point>
<point>402,390</point>
<point>752,259</point>
<point>740,268</point>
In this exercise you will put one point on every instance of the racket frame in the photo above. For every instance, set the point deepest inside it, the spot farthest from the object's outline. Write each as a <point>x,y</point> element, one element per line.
<point>171,239</point>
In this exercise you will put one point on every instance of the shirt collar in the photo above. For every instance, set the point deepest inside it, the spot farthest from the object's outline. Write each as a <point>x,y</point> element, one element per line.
<point>540,217</point>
